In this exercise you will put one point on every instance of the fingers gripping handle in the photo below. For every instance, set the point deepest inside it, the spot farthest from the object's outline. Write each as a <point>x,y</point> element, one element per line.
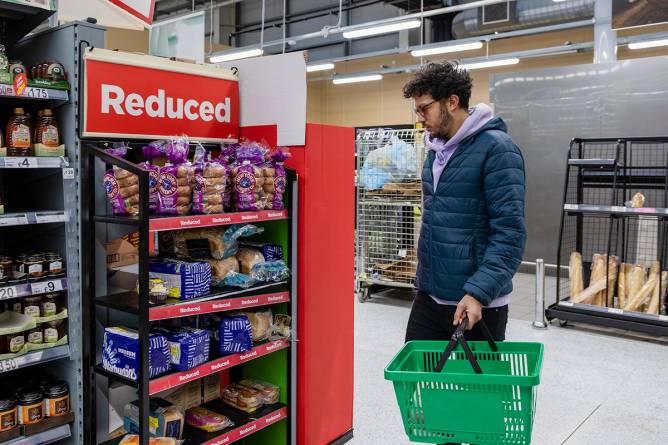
<point>458,337</point>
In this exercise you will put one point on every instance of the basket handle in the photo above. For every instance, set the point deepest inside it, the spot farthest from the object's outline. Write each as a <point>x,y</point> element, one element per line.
<point>458,337</point>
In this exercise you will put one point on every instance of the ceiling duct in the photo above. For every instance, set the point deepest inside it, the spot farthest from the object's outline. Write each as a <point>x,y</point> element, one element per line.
<point>519,14</point>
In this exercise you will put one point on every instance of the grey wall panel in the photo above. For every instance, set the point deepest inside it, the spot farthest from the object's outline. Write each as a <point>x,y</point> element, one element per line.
<point>545,109</point>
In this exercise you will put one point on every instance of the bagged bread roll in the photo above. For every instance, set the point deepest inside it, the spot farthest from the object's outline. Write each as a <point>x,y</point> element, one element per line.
<point>270,392</point>
<point>247,178</point>
<point>169,190</point>
<point>221,269</point>
<point>208,184</point>
<point>275,184</point>
<point>249,258</point>
<point>242,397</point>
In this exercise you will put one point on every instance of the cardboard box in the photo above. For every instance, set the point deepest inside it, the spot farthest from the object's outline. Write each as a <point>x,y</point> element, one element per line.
<point>122,252</point>
<point>211,390</point>
<point>187,396</point>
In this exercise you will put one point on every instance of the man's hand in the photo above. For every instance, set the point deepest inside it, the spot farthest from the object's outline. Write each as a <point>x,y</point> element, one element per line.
<point>472,308</point>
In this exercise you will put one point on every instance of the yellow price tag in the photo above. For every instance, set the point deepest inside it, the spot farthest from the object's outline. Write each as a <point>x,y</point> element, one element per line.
<point>153,424</point>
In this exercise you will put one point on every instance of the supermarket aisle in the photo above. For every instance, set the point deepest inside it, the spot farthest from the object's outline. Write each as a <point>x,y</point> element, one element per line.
<point>596,389</point>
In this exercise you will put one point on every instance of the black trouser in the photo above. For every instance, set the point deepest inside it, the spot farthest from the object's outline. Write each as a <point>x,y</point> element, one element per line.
<point>432,321</point>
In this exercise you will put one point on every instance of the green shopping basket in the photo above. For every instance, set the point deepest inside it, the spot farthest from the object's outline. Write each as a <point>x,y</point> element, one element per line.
<point>476,392</point>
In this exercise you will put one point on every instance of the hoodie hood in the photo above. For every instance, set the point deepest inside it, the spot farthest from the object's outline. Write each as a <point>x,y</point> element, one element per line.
<point>480,119</point>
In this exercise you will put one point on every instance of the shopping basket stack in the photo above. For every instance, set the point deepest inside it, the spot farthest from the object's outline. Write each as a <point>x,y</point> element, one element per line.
<point>478,392</point>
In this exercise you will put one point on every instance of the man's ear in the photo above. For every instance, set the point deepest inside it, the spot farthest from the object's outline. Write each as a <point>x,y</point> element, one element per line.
<point>453,103</point>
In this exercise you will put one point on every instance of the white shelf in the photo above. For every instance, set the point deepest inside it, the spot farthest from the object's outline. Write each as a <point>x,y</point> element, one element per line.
<point>45,437</point>
<point>26,218</point>
<point>33,162</point>
<point>34,357</point>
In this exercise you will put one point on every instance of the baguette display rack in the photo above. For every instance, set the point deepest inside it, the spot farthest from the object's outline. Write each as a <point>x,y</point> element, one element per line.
<point>613,241</point>
<point>103,307</point>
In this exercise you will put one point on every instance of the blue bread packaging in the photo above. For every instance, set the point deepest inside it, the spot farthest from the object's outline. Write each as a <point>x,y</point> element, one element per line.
<point>189,348</point>
<point>235,335</point>
<point>185,280</point>
<point>120,353</point>
<point>165,419</point>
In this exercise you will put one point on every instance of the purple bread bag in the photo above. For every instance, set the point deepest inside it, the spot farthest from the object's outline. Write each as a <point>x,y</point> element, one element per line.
<point>168,188</point>
<point>245,181</point>
<point>121,203</point>
<point>280,180</point>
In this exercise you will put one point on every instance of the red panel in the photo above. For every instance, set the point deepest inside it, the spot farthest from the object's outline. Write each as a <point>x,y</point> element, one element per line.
<point>259,133</point>
<point>326,255</point>
<point>325,279</point>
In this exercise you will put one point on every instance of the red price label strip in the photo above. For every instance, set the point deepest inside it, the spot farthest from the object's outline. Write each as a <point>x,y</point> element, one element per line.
<point>207,307</point>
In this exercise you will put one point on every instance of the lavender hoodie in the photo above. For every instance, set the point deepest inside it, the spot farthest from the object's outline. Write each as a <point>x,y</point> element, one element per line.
<point>479,115</point>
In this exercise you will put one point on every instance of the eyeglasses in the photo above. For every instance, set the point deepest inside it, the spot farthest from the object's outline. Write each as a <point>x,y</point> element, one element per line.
<point>422,109</point>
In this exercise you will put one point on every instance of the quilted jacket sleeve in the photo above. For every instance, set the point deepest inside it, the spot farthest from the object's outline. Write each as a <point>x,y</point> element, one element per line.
<point>503,182</point>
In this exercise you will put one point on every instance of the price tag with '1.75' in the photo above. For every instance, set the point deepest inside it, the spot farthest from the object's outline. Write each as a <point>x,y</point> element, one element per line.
<point>8,365</point>
<point>46,286</point>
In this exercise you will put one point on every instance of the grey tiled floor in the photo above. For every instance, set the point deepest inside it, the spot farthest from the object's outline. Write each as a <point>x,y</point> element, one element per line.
<point>598,387</point>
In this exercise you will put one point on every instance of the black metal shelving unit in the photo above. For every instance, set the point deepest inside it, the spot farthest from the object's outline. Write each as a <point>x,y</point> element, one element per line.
<point>135,308</point>
<point>602,176</point>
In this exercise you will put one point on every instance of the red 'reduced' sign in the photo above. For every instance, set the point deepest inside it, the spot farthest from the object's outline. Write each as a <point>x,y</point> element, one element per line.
<point>143,97</point>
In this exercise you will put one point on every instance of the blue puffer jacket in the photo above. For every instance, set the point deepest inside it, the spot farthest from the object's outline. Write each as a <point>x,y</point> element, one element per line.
<point>473,232</point>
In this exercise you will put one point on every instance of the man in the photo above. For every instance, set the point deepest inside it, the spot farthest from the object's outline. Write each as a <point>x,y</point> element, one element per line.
<point>473,232</point>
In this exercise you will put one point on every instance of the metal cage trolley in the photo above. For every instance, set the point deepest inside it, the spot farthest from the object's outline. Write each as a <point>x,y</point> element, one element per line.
<point>388,208</point>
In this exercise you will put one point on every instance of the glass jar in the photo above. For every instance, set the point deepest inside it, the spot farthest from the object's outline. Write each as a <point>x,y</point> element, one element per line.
<point>8,413</point>
<point>31,406</point>
<point>57,398</point>
<point>6,265</point>
<point>12,343</point>
<point>34,266</point>
<point>19,263</point>
<point>50,304</point>
<point>53,264</point>
<point>4,62</point>
<point>53,331</point>
<point>36,336</point>
<point>32,305</point>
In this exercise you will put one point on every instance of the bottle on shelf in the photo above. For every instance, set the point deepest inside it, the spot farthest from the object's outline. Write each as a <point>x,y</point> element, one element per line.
<point>4,61</point>
<point>46,129</point>
<point>18,137</point>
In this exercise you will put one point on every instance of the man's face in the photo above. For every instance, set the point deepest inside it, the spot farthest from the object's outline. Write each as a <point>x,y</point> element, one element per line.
<point>435,117</point>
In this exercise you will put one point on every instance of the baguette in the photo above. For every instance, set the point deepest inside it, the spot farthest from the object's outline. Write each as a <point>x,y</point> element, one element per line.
<point>575,274</point>
<point>621,285</point>
<point>659,292</point>
<point>638,299</point>
<point>598,267</point>
<point>613,268</point>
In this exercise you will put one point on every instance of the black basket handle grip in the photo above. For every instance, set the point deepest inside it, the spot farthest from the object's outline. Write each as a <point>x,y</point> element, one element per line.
<point>458,337</point>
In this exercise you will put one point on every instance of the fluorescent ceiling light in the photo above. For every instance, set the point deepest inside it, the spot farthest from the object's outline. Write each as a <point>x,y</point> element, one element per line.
<point>319,67</point>
<point>236,55</point>
<point>446,49</point>
<point>355,79</point>
<point>490,63</point>
<point>381,29</point>
<point>648,44</point>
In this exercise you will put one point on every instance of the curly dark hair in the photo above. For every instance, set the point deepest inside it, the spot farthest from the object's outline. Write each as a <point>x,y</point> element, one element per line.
<point>441,80</point>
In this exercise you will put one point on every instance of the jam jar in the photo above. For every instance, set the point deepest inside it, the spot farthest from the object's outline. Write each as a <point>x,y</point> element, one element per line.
<point>19,263</point>
<point>57,398</point>
<point>31,405</point>
<point>34,266</point>
<point>54,330</point>
<point>53,264</point>
<point>50,304</point>
<point>35,336</point>
<point>6,265</point>
<point>32,305</point>
<point>12,343</point>
<point>8,413</point>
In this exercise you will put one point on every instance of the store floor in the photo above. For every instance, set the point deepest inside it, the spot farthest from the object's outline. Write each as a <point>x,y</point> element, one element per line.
<point>597,386</point>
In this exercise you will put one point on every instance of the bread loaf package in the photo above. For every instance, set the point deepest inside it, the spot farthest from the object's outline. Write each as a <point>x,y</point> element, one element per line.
<point>222,269</point>
<point>242,397</point>
<point>121,186</point>
<point>270,392</point>
<point>120,353</point>
<point>189,347</point>
<point>227,158</point>
<point>151,151</point>
<point>235,335</point>
<point>165,419</point>
<point>275,180</point>
<point>209,179</point>
<point>175,199</point>
<point>207,420</point>
<point>248,179</point>
<point>261,324</point>
<point>248,258</point>
<point>216,243</point>
<point>185,280</point>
